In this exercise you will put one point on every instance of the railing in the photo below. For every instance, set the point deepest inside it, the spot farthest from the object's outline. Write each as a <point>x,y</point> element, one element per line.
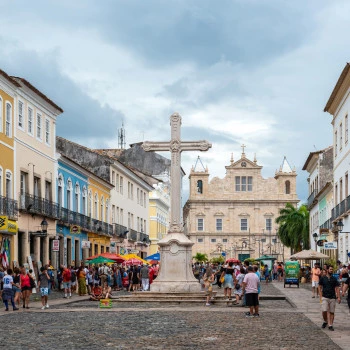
<point>120,230</point>
<point>37,205</point>
<point>143,237</point>
<point>311,198</point>
<point>86,222</point>
<point>341,208</point>
<point>9,207</point>
<point>327,225</point>
<point>132,236</point>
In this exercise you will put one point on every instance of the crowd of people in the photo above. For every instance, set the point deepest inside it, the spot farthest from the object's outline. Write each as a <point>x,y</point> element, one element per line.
<point>99,282</point>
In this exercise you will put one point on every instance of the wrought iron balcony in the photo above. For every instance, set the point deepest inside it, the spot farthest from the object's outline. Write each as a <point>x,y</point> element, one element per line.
<point>144,238</point>
<point>327,225</point>
<point>85,222</point>
<point>311,198</point>
<point>132,236</point>
<point>37,205</point>
<point>9,207</point>
<point>120,230</point>
<point>341,208</point>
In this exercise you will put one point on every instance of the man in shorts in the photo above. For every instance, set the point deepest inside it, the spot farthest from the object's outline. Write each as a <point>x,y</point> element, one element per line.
<point>43,285</point>
<point>315,272</point>
<point>329,293</point>
<point>66,280</point>
<point>250,287</point>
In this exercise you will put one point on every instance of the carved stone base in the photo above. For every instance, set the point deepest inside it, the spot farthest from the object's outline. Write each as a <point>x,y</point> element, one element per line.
<point>175,272</point>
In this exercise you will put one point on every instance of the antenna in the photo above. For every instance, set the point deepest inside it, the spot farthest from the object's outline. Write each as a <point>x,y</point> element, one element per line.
<point>121,137</point>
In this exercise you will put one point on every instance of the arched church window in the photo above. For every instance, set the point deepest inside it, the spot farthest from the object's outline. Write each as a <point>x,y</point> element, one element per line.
<point>287,184</point>
<point>200,186</point>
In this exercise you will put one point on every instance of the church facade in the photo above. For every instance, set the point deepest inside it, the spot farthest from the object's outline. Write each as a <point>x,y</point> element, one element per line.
<point>235,216</point>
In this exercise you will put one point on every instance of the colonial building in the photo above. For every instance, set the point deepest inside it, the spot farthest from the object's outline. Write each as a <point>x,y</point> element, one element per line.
<point>319,165</point>
<point>127,208</point>
<point>235,216</point>
<point>157,167</point>
<point>338,106</point>
<point>8,199</point>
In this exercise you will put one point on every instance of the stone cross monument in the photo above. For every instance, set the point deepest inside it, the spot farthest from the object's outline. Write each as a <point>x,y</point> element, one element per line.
<point>175,273</point>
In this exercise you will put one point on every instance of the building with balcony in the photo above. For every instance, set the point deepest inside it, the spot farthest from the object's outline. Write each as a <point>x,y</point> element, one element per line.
<point>81,226</point>
<point>8,200</point>
<point>127,208</point>
<point>236,215</point>
<point>338,106</point>
<point>319,165</point>
<point>36,166</point>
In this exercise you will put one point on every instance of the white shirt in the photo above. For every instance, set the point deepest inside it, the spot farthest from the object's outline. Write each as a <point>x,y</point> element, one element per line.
<point>8,281</point>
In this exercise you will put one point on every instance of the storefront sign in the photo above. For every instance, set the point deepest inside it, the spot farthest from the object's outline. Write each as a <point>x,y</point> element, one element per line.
<point>8,226</point>
<point>85,244</point>
<point>56,245</point>
<point>75,229</point>
<point>330,245</point>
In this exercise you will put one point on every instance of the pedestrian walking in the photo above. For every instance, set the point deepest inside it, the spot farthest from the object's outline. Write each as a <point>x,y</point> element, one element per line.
<point>81,276</point>
<point>7,291</point>
<point>251,284</point>
<point>229,275</point>
<point>16,286</point>
<point>26,287</point>
<point>329,293</point>
<point>144,277</point>
<point>267,274</point>
<point>238,286</point>
<point>315,279</point>
<point>208,279</point>
<point>346,288</point>
<point>66,280</point>
<point>43,285</point>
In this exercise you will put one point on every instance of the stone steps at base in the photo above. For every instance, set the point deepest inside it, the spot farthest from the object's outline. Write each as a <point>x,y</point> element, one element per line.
<point>183,298</point>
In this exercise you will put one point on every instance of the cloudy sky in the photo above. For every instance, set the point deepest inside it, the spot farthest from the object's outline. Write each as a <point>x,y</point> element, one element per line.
<point>238,71</point>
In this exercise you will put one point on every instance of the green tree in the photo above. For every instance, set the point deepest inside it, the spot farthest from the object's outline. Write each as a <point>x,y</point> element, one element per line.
<point>218,260</point>
<point>293,228</point>
<point>200,257</point>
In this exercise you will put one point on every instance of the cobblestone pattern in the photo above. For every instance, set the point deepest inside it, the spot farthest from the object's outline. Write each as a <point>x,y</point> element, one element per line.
<point>162,330</point>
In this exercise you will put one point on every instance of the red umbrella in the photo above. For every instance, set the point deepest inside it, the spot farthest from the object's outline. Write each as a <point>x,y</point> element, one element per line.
<point>235,261</point>
<point>133,261</point>
<point>116,257</point>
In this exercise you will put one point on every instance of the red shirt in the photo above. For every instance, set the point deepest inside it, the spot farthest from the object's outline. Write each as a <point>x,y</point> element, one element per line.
<point>25,282</point>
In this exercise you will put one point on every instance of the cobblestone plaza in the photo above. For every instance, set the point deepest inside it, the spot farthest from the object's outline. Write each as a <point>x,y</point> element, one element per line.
<point>77,323</point>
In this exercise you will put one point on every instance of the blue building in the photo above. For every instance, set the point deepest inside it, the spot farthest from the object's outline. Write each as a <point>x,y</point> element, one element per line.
<point>73,226</point>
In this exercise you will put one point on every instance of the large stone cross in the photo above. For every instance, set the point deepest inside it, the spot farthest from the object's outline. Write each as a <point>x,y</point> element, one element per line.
<point>176,146</point>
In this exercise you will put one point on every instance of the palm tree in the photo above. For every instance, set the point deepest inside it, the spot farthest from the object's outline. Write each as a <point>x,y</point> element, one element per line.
<point>293,228</point>
<point>200,257</point>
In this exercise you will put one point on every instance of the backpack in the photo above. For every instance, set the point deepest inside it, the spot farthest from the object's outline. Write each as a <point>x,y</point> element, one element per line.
<point>73,276</point>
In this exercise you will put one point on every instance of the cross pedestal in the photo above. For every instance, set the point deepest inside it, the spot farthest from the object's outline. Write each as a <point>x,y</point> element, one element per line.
<point>175,272</point>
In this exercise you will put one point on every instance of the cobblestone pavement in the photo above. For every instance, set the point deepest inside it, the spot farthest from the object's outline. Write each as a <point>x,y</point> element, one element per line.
<point>79,324</point>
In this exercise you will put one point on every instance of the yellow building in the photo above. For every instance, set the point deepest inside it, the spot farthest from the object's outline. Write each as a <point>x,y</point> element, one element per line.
<point>159,204</point>
<point>8,204</point>
<point>98,210</point>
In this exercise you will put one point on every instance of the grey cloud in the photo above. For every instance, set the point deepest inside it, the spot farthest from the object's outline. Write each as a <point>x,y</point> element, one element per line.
<point>84,119</point>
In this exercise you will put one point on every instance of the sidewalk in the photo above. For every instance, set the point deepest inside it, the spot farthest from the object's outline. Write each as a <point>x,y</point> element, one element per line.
<point>311,308</point>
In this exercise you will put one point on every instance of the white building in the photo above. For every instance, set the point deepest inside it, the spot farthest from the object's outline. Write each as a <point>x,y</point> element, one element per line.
<point>338,106</point>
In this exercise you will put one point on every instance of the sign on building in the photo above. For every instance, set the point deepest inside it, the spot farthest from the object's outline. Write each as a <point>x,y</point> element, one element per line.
<point>75,229</point>
<point>330,245</point>
<point>85,244</point>
<point>56,245</point>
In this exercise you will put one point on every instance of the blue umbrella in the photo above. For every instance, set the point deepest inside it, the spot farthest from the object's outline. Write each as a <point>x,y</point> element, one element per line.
<point>155,256</point>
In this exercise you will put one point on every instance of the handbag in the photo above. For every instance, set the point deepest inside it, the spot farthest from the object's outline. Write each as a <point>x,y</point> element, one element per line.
<point>222,279</point>
<point>237,286</point>
<point>32,282</point>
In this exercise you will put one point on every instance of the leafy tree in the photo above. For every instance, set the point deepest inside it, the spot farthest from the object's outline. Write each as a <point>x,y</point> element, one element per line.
<point>200,257</point>
<point>293,228</point>
<point>218,260</point>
